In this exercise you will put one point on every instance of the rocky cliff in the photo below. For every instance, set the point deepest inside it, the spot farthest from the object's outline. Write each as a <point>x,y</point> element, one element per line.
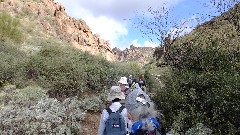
<point>48,18</point>
<point>52,20</point>
<point>142,55</point>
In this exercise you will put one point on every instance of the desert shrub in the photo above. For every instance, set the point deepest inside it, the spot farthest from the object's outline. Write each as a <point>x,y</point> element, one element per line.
<point>58,70</point>
<point>126,69</point>
<point>199,129</point>
<point>62,69</point>
<point>10,59</point>
<point>93,104</point>
<point>203,86</point>
<point>30,111</point>
<point>10,28</point>
<point>69,72</point>
<point>6,75</point>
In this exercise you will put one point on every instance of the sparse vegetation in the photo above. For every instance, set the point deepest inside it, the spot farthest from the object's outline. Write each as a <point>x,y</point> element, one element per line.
<point>10,28</point>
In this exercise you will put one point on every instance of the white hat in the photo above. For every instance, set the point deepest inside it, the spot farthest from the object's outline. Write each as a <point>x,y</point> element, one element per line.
<point>115,92</point>
<point>123,80</point>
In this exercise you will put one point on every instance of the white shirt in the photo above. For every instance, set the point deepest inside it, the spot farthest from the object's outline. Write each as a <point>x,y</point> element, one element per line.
<point>104,116</point>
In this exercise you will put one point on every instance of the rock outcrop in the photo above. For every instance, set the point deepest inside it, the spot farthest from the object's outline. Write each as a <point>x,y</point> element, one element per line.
<point>55,22</point>
<point>50,19</point>
<point>142,55</point>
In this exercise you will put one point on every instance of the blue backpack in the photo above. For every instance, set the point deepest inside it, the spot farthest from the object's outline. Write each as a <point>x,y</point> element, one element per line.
<point>115,124</point>
<point>140,127</point>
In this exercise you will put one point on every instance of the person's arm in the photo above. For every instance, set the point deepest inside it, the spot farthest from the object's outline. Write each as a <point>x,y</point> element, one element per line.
<point>104,117</point>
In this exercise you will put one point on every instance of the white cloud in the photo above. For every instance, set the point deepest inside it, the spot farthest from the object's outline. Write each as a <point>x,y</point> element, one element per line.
<point>117,9</point>
<point>107,18</point>
<point>150,44</point>
<point>107,28</point>
<point>145,44</point>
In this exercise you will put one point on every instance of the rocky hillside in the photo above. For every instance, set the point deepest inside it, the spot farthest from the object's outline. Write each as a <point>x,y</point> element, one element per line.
<point>50,19</point>
<point>142,55</point>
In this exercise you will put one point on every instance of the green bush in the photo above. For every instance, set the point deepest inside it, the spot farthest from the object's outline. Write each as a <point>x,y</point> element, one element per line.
<point>62,69</point>
<point>10,59</point>
<point>126,69</point>
<point>203,86</point>
<point>69,72</point>
<point>10,28</point>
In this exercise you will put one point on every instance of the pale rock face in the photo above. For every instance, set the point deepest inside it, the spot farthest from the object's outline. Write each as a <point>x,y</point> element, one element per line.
<point>142,55</point>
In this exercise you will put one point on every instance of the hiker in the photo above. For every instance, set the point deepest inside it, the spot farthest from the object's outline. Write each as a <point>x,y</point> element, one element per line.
<point>135,85</point>
<point>123,84</point>
<point>142,82</point>
<point>143,114</point>
<point>130,80</point>
<point>108,124</point>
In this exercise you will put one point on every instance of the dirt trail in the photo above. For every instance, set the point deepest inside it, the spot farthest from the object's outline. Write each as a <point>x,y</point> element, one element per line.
<point>90,124</point>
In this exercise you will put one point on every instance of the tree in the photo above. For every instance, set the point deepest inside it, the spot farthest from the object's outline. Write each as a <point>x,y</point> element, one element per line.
<point>157,24</point>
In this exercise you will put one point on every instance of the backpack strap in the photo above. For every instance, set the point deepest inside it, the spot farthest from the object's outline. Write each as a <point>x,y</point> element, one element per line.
<point>109,110</point>
<point>125,90</point>
<point>119,110</point>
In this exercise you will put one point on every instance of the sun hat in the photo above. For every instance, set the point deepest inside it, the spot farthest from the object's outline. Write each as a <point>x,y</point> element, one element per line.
<point>115,92</point>
<point>123,80</point>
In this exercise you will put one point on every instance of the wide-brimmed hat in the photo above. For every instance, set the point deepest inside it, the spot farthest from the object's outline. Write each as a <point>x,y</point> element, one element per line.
<point>115,92</point>
<point>123,80</point>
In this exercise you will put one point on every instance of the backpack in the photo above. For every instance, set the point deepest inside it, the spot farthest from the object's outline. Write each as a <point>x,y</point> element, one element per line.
<point>148,126</point>
<point>115,124</point>
<point>145,132</point>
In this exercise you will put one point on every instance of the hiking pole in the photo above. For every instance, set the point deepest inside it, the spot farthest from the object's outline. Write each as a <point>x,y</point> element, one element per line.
<point>127,129</point>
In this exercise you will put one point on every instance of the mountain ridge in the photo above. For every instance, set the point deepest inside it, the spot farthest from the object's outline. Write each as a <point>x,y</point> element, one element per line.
<point>52,20</point>
<point>49,18</point>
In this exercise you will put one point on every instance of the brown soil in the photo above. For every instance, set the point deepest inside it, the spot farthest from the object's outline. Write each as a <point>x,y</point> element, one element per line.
<point>90,123</point>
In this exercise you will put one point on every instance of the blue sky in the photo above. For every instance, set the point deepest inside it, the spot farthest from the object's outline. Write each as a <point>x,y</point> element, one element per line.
<point>114,20</point>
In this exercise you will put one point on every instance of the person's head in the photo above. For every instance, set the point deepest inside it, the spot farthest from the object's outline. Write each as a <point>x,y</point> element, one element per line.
<point>130,77</point>
<point>115,94</point>
<point>123,81</point>
<point>141,76</point>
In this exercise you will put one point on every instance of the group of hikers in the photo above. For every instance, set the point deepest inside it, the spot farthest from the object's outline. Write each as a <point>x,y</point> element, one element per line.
<point>130,110</point>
